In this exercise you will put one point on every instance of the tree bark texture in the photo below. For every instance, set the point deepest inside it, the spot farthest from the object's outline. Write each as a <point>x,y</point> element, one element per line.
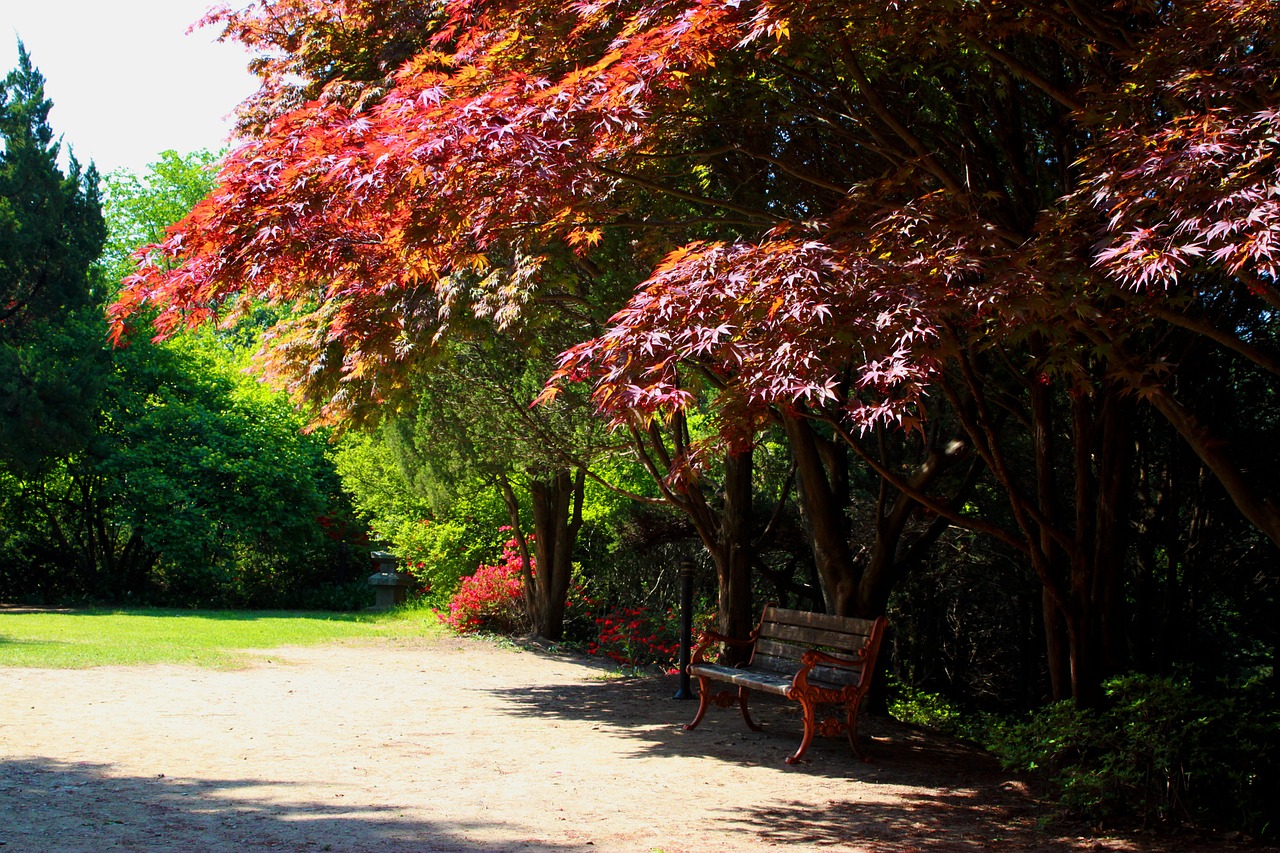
<point>725,531</point>
<point>557,517</point>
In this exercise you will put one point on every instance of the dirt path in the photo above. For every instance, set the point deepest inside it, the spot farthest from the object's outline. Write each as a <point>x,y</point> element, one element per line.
<point>463,746</point>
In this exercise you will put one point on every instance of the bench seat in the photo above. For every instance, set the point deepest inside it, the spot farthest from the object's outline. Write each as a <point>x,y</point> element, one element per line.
<point>777,683</point>
<point>814,659</point>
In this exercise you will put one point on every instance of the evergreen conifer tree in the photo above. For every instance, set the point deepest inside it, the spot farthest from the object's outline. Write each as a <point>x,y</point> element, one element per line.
<point>52,353</point>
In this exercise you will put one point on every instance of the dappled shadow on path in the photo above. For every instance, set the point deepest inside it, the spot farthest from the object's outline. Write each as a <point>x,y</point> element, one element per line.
<point>643,710</point>
<point>84,807</point>
<point>947,821</point>
<point>952,821</point>
<point>923,792</point>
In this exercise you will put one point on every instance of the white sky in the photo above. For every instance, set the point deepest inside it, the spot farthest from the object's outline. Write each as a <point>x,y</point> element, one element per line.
<point>125,79</point>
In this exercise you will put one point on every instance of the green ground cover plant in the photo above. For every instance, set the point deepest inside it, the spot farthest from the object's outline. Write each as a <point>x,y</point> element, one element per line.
<point>87,638</point>
<point>1161,751</point>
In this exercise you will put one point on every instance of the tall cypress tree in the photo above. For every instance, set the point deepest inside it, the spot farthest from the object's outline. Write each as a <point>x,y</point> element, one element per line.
<point>52,353</point>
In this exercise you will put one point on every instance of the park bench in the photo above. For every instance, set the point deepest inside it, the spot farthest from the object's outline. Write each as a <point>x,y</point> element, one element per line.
<point>811,658</point>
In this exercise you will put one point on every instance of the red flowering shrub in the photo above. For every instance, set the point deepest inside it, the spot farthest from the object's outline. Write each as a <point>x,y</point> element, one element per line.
<point>491,599</point>
<point>633,637</point>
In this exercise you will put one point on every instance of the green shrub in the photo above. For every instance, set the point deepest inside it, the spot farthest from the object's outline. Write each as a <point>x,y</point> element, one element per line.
<point>1159,751</point>
<point>439,553</point>
<point>920,708</point>
<point>352,596</point>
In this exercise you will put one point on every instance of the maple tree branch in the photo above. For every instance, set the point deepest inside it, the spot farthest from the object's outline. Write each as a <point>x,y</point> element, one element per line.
<point>739,149</point>
<point>922,151</point>
<point>646,460</point>
<point>983,432</point>
<point>794,172</point>
<point>1097,29</point>
<point>513,513</point>
<point>845,111</point>
<point>1083,26</point>
<point>923,498</point>
<point>704,154</point>
<point>693,503</point>
<point>563,299</point>
<point>619,490</point>
<point>1026,72</point>
<point>1264,291</point>
<point>756,215</point>
<point>1268,361</point>
<point>783,494</point>
<point>1258,508</point>
<point>672,223</point>
<point>681,435</point>
<point>550,440</point>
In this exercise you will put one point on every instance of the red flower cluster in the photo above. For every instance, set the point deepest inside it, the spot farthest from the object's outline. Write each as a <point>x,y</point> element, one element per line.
<point>633,637</point>
<point>492,598</point>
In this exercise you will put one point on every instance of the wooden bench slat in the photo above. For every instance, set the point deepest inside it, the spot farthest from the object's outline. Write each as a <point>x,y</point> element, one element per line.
<point>811,637</point>
<point>842,624</point>
<point>836,675</point>
<point>785,651</point>
<point>786,666</point>
<point>789,651</point>
<point>795,649</point>
<point>755,680</point>
<point>829,675</point>
<point>789,666</point>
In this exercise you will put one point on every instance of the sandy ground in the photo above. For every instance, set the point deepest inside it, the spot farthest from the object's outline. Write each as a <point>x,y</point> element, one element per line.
<point>463,745</point>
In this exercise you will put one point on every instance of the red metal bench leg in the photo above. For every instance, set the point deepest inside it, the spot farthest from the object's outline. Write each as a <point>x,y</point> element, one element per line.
<point>704,699</point>
<point>809,725</point>
<point>743,693</point>
<point>852,729</point>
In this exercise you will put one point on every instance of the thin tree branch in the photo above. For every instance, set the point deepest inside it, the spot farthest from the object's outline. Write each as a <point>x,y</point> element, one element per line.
<point>926,156</point>
<point>757,215</point>
<point>1026,72</point>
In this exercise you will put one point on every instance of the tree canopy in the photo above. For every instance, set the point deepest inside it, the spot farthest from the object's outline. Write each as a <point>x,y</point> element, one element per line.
<point>1023,223</point>
<point>51,231</point>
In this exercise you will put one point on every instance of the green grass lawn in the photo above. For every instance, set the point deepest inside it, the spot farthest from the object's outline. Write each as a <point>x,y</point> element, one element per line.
<point>86,638</point>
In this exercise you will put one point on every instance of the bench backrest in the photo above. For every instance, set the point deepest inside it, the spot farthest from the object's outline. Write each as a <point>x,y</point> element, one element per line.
<point>787,634</point>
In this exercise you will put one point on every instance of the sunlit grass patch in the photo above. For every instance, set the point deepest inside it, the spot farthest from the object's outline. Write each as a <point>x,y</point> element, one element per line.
<point>86,638</point>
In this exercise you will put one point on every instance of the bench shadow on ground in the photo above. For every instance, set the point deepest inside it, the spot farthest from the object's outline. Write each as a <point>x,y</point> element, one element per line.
<point>961,800</point>
<point>643,710</point>
<point>48,805</point>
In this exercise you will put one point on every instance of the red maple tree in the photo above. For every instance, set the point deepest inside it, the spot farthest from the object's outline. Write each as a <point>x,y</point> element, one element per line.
<point>865,212</point>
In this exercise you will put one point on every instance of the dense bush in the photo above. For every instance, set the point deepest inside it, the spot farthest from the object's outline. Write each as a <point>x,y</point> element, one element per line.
<point>634,636</point>
<point>440,553</point>
<point>492,598</point>
<point>1161,752</point>
<point>438,541</point>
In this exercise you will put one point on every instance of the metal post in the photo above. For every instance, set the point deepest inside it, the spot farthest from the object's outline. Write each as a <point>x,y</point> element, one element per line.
<point>686,627</point>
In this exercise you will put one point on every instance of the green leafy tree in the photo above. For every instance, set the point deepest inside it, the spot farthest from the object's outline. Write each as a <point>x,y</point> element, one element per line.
<point>142,206</point>
<point>51,331</point>
<point>192,482</point>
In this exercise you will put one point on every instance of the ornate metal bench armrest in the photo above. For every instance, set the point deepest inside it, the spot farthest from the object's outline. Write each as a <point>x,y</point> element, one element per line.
<point>709,638</point>
<point>813,657</point>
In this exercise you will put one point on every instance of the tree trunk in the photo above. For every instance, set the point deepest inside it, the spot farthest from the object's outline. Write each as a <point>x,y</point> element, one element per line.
<point>853,587</point>
<point>1082,618</point>
<point>733,553</point>
<point>725,533</point>
<point>557,517</point>
<point>1074,533</point>
<point>1261,510</point>
<point>822,485</point>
